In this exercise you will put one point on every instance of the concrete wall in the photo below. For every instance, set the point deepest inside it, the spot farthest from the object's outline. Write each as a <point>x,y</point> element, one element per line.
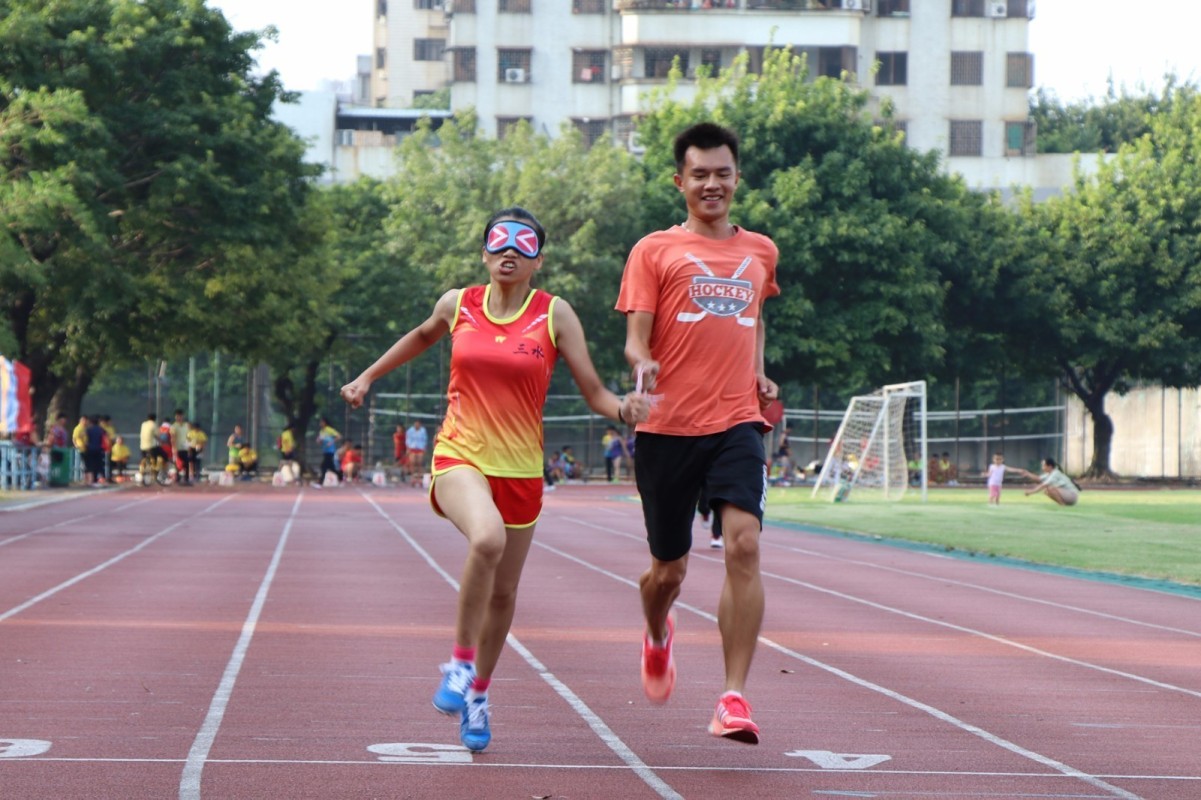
<point>1157,434</point>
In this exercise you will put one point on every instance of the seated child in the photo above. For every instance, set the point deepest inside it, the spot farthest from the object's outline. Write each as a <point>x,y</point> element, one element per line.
<point>249,461</point>
<point>119,458</point>
<point>352,462</point>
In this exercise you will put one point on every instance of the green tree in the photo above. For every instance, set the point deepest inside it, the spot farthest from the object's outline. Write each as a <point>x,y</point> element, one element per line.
<point>1101,125</point>
<point>148,195</point>
<point>1111,272</point>
<point>586,198</point>
<point>880,251</point>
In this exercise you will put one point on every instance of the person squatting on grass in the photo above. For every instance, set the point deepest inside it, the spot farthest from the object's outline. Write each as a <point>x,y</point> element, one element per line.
<point>693,298</point>
<point>1055,484</point>
<point>487,458</point>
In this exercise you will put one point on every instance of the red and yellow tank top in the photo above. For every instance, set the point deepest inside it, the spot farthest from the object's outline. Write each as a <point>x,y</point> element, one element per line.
<point>499,375</point>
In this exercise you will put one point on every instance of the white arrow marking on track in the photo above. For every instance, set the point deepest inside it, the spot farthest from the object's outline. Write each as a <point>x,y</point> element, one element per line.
<point>827,760</point>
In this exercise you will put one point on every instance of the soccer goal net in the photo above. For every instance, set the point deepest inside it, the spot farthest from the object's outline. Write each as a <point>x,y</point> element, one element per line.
<point>880,448</point>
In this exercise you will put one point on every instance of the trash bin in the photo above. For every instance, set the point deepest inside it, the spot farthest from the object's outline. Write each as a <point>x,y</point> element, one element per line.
<point>60,466</point>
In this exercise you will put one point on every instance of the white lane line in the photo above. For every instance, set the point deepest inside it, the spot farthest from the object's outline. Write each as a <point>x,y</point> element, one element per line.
<point>938,714</point>
<point>606,768</point>
<point>991,590</point>
<point>44,528</point>
<point>100,567</point>
<point>189,782</point>
<point>603,731</point>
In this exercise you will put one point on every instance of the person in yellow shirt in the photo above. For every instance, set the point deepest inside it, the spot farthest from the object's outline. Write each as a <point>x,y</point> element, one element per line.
<point>197,441</point>
<point>119,458</point>
<point>249,459</point>
<point>79,436</point>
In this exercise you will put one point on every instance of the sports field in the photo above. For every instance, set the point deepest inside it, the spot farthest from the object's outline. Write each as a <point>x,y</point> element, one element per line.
<point>1152,533</point>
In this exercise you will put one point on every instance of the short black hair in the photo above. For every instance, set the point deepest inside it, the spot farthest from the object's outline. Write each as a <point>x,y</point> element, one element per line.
<point>521,215</point>
<point>704,136</point>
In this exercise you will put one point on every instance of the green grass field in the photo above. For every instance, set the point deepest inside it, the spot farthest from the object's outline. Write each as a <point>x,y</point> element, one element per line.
<point>1152,533</point>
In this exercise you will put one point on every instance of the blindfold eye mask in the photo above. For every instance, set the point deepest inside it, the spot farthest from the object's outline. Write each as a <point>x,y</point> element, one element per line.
<point>512,235</point>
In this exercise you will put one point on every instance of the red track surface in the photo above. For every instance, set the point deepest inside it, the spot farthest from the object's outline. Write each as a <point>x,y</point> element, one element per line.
<point>261,643</point>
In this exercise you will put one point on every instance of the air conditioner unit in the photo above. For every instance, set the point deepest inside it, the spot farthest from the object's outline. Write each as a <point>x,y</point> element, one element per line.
<point>853,5</point>
<point>998,9</point>
<point>514,75</point>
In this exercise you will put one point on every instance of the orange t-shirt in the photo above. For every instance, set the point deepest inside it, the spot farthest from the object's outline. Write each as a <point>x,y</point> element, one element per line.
<point>706,295</point>
<point>499,374</point>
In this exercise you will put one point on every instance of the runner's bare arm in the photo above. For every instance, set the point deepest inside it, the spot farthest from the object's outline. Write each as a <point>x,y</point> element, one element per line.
<point>408,347</point>
<point>639,325</point>
<point>569,337</point>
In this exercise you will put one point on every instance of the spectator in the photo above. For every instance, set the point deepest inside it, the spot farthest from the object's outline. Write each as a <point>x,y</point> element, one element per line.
<point>234,443</point>
<point>249,461</point>
<point>93,452</point>
<point>59,436</point>
<point>181,448</point>
<point>197,441</point>
<point>120,459</point>
<point>571,468</point>
<point>416,442</point>
<point>352,463</point>
<point>328,437</point>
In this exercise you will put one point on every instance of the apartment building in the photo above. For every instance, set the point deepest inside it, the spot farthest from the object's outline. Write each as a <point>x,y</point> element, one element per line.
<point>409,58</point>
<point>957,71</point>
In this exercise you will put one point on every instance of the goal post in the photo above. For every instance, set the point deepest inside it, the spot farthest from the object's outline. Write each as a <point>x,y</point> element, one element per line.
<point>879,435</point>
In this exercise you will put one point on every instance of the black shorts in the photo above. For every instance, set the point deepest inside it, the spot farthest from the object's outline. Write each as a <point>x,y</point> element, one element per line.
<point>670,471</point>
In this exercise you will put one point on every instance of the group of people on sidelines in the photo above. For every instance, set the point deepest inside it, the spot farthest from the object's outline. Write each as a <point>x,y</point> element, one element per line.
<point>692,297</point>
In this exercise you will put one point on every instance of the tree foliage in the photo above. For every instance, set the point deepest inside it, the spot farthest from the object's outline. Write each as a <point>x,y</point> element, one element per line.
<point>883,257</point>
<point>147,193</point>
<point>586,198</point>
<point>1101,125</point>
<point>1111,272</point>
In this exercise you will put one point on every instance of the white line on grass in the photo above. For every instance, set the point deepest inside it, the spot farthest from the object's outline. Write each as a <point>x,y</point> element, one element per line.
<point>189,782</point>
<point>938,714</point>
<point>603,731</point>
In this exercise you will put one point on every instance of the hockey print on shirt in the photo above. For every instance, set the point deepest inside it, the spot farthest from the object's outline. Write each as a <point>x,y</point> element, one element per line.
<point>721,297</point>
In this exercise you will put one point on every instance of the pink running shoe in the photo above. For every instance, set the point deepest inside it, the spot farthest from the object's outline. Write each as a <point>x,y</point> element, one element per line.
<point>658,667</point>
<point>732,720</point>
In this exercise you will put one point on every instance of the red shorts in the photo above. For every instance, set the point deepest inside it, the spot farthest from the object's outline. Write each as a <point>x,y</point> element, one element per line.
<point>519,500</point>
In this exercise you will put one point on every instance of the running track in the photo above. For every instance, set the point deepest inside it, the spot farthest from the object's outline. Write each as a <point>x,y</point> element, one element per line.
<point>260,643</point>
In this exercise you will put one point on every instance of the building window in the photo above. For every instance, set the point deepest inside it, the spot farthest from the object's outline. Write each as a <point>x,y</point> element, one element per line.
<point>513,6</point>
<point>588,6</point>
<point>591,129</point>
<point>711,60</point>
<point>1021,8</point>
<point>381,8</point>
<point>463,6</point>
<point>658,61</point>
<point>505,125</point>
<point>1019,70</point>
<point>967,69</point>
<point>887,8</point>
<point>428,49</point>
<point>513,66</point>
<point>588,66</point>
<point>465,64</point>
<point>894,69</point>
<point>833,61</point>
<point>437,5</point>
<point>1020,139</point>
<point>967,8</point>
<point>381,57</point>
<point>967,138</point>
